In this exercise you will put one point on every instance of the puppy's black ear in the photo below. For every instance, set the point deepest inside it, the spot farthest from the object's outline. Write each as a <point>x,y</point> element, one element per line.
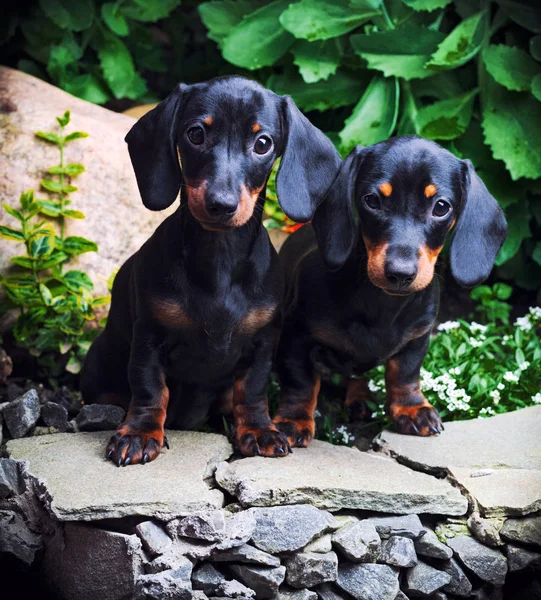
<point>334,221</point>
<point>153,152</point>
<point>480,231</point>
<point>309,165</point>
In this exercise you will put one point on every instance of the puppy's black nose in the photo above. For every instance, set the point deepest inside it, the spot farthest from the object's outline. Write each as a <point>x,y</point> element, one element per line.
<point>222,206</point>
<point>400,273</point>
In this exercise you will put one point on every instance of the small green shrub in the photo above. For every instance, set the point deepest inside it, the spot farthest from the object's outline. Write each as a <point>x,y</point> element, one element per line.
<point>54,304</point>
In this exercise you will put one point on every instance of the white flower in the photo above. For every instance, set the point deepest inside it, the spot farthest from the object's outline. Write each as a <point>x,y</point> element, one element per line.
<point>488,410</point>
<point>495,395</point>
<point>477,327</point>
<point>317,413</point>
<point>343,432</point>
<point>475,343</point>
<point>535,311</point>
<point>536,399</point>
<point>500,386</point>
<point>454,371</point>
<point>523,323</point>
<point>509,376</point>
<point>524,365</point>
<point>448,325</point>
<point>373,386</point>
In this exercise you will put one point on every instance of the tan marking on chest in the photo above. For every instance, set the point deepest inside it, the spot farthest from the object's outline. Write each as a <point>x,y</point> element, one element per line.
<point>257,318</point>
<point>171,314</point>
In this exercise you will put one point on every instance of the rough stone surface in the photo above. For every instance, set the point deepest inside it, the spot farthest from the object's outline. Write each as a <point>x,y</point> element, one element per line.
<point>487,531</point>
<point>22,414</point>
<point>307,569</point>
<point>155,540</point>
<point>288,528</point>
<point>208,525</point>
<point>398,551</point>
<point>171,560</point>
<point>358,542</point>
<point>377,582</point>
<point>265,581</point>
<point>99,417</point>
<point>17,539</point>
<point>209,580</point>
<point>55,415</point>
<point>525,531</point>
<point>429,545</point>
<point>167,585</point>
<point>11,482</point>
<point>459,585</point>
<point>326,591</point>
<point>520,558</point>
<point>246,554</point>
<point>409,526</point>
<point>174,484</point>
<point>321,544</point>
<point>488,564</point>
<point>423,580</point>
<point>239,529</point>
<point>288,594</point>
<point>334,477</point>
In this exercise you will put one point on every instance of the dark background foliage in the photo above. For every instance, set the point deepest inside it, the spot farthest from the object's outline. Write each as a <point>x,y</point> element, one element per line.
<point>466,73</point>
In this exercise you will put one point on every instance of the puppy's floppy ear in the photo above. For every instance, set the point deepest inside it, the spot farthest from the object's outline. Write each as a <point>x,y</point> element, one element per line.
<point>334,221</point>
<point>309,164</point>
<point>480,231</point>
<point>153,152</point>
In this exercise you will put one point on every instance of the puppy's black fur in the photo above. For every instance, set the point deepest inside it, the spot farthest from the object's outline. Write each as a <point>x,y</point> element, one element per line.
<point>369,295</point>
<point>196,311</point>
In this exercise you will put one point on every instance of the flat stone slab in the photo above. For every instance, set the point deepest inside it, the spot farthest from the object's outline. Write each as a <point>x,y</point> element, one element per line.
<point>510,440</point>
<point>82,486</point>
<point>335,477</point>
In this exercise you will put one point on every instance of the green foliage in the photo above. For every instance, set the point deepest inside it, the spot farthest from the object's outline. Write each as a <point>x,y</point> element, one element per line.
<point>55,304</point>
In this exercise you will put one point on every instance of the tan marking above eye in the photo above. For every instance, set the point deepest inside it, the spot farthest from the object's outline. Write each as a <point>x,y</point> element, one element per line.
<point>430,190</point>
<point>256,127</point>
<point>386,189</point>
<point>208,120</point>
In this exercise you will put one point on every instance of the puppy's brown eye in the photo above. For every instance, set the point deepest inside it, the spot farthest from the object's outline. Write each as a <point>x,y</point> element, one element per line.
<point>263,144</point>
<point>372,201</point>
<point>196,135</point>
<point>441,208</point>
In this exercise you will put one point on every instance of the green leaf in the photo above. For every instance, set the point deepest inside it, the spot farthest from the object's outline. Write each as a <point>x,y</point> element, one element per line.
<point>220,16</point>
<point>114,19</point>
<point>41,246</point>
<point>73,365</point>
<point>64,119</point>
<point>17,214</point>
<point>73,214</point>
<point>535,47</point>
<point>11,234</point>
<point>49,208</point>
<point>536,87</point>
<point>402,54</point>
<point>46,294</point>
<point>526,13</point>
<point>75,135</point>
<point>68,14</point>
<point>502,291</point>
<point>323,19</point>
<point>374,117</point>
<point>426,4</point>
<point>26,199</point>
<point>101,301</point>
<point>79,245</point>
<point>76,280</point>
<point>72,170</point>
<point>510,67</point>
<point>536,254</point>
<point>23,261</point>
<point>56,258</point>
<point>88,87</point>
<point>446,119</point>
<point>518,222</point>
<point>149,11</point>
<point>317,60</point>
<point>49,137</point>
<point>17,282</point>
<point>259,40</point>
<point>461,45</point>
<point>512,127</point>
<point>57,187</point>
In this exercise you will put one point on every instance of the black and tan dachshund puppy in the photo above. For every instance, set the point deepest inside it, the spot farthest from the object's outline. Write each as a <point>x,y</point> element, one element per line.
<point>369,295</point>
<point>196,312</point>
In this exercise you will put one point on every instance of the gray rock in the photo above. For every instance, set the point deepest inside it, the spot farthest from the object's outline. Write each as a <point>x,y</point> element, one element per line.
<point>99,417</point>
<point>408,526</point>
<point>171,560</point>
<point>167,585</point>
<point>265,581</point>
<point>11,482</point>
<point>307,569</point>
<point>172,485</point>
<point>326,591</point>
<point>199,595</point>
<point>239,529</point>
<point>289,594</point>
<point>288,528</point>
<point>520,558</point>
<point>459,585</point>
<point>17,539</point>
<point>55,415</point>
<point>363,581</point>
<point>487,531</point>
<point>208,525</point>
<point>343,520</point>
<point>321,544</point>
<point>398,551</point>
<point>429,545</point>
<point>193,549</point>
<point>336,477</point>
<point>423,580</point>
<point>209,580</point>
<point>1,427</point>
<point>525,531</point>
<point>246,554</point>
<point>155,540</point>
<point>401,596</point>
<point>22,414</point>
<point>359,542</point>
<point>488,564</point>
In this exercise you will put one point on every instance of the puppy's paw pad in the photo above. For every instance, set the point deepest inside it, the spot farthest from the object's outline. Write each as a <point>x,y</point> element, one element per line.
<point>266,441</point>
<point>422,420</point>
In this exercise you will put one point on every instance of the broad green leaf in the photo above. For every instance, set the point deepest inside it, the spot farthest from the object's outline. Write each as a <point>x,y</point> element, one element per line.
<point>526,13</point>
<point>41,246</point>
<point>49,208</point>
<point>79,245</point>
<point>502,291</point>
<point>426,4</point>
<point>518,222</point>
<point>259,40</point>
<point>56,258</point>
<point>26,199</point>
<point>75,135</point>
<point>22,261</point>
<point>114,19</point>
<point>374,117</point>
<point>73,214</point>
<point>323,19</point>
<point>317,60</point>
<point>149,11</point>
<point>57,187</point>
<point>88,87</point>
<point>402,54</point>
<point>101,300</point>
<point>49,137</point>
<point>535,47</point>
<point>11,234</point>
<point>511,67</point>
<point>461,45</point>
<point>64,119</point>
<point>220,16</point>
<point>75,280</point>
<point>46,294</point>
<point>536,87</point>
<point>446,119</point>
<point>72,170</point>
<point>68,14</point>
<point>512,127</point>
<point>346,90</point>
<point>16,282</point>
<point>13,212</point>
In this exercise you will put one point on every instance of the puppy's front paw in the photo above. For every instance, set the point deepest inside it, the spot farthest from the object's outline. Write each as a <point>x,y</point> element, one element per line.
<point>130,447</point>
<point>299,432</point>
<point>420,419</point>
<point>265,441</point>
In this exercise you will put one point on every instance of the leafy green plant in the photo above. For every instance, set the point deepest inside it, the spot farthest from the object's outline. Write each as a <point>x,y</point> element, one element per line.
<point>467,74</point>
<point>54,304</point>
